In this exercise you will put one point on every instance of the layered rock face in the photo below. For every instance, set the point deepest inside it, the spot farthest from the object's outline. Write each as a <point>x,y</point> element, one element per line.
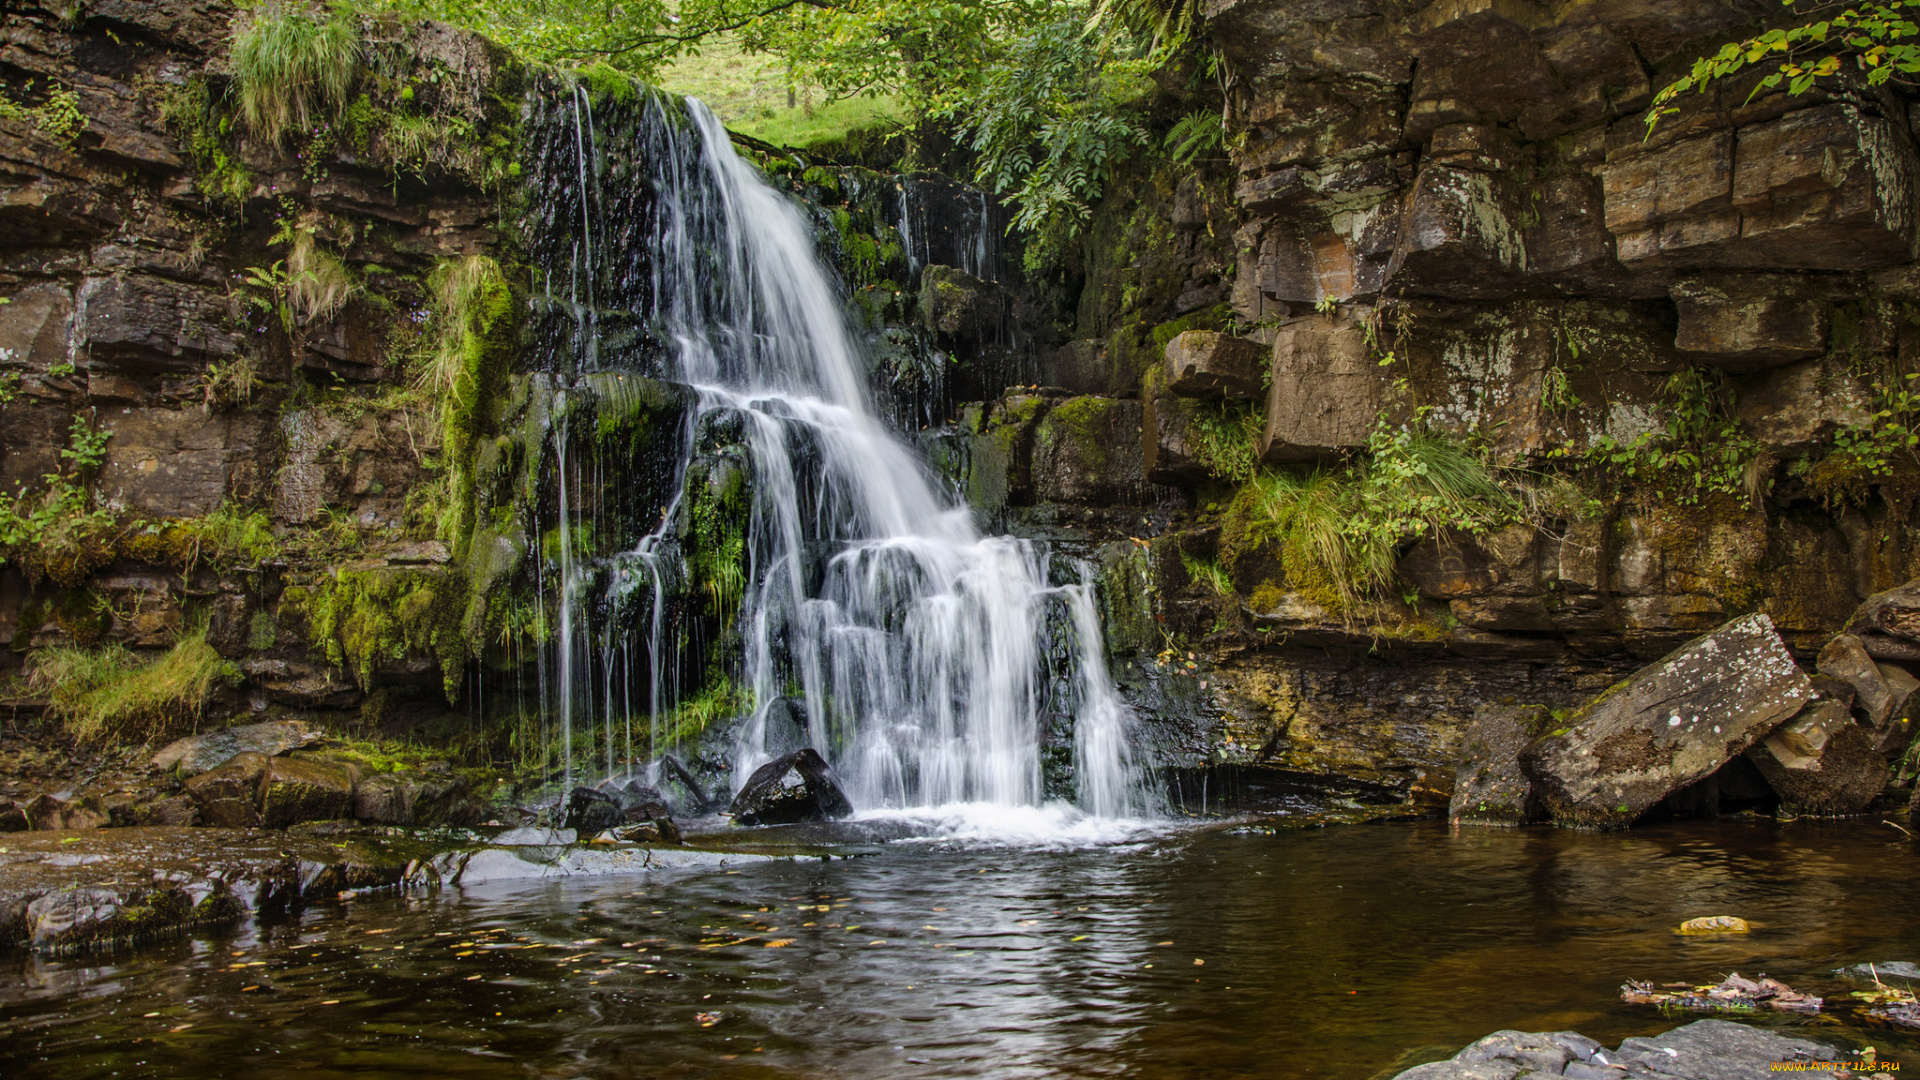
<point>1452,217</point>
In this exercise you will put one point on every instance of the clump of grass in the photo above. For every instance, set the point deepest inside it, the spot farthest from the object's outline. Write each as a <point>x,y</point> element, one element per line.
<point>111,693</point>
<point>293,69</point>
<point>318,284</point>
<point>1341,531</point>
<point>1208,573</point>
<point>470,294</point>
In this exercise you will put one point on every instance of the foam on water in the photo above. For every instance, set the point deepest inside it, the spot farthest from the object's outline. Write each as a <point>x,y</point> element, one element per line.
<point>1048,825</point>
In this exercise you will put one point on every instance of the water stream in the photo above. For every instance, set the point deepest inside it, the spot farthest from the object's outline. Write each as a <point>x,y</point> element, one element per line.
<point>916,652</point>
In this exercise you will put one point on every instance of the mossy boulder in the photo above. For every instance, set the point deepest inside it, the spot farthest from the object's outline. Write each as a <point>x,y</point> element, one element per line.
<point>1089,450</point>
<point>293,790</point>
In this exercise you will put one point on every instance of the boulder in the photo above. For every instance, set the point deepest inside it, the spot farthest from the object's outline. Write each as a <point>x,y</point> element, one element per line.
<point>1821,762</point>
<point>52,812</point>
<point>589,812</point>
<point>798,787</point>
<point>293,790</point>
<point>1205,364</point>
<point>174,810</point>
<point>229,796</point>
<point>196,754</point>
<point>1170,444</point>
<point>1888,623</point>
<point>1702,1050</point>
<point>1673,723</point>
<point>1491,788</point>
<point>637,799</point>
<point>1846,659</point>
<point>1890,738</point>
<point>409,798</point>
<point>12,817</point>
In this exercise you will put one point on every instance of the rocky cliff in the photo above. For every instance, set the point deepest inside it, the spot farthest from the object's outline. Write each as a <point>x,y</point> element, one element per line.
<point>298,393</point>
<point>1687,347</point>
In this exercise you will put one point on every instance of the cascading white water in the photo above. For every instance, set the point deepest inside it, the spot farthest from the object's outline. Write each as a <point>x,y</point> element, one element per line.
<point>915,648</point>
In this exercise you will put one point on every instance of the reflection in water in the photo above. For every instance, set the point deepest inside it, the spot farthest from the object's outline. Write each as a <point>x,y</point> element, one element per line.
<point>1324,953</point>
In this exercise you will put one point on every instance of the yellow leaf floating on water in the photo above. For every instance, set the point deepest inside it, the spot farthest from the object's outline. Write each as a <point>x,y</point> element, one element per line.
<point>706,1019</point>
<point>1081,937</point>
<point>1713,924</point>
<point>1198,962</point>
<point>779,943</point>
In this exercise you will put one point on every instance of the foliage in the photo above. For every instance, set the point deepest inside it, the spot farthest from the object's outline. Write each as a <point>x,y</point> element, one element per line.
<point>58,115</point>
<point>190,113</point>
<point>318,284</point>
<point>1207,572</point>
<point>111,693</point>
<point>1194,136</point>
<point>293,70</point>
<point>1226,440</point>
<point>721,700</point>
<point>1051,120</point>
<point>472,320</point>
<point>364,618</point>
<point>1879,36</point>
<point>1702,451</point>
<point>1340,531</point>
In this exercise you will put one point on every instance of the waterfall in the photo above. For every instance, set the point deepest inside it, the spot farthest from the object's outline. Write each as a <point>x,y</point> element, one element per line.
<point>874,621</point>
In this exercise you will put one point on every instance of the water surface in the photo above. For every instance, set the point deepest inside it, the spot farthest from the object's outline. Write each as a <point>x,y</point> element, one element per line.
<point>1226,953</point>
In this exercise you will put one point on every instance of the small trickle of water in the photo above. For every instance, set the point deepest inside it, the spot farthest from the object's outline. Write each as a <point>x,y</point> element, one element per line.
<point>913,649</point>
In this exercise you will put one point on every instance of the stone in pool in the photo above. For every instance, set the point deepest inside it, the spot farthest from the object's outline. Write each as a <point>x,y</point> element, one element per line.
<point>590,812</point>
<point>1672,723</point>
<point>1702,1050</point>
<point>1821,762</point>
<point>798,787</point>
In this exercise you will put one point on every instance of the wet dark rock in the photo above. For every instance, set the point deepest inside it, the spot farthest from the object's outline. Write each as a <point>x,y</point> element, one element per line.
<point>1491,788</point>
<point>410,798</point>
<point>637,799</point>
<point>589,811</point>
<point>797,787</point>
<point>229,796</point>
<point>196,754</point>
<point>1702,1050</point>
<point>55,813</point>
<point>1821,762</point>
<point>1671,724</point>
<point>12,818</point>
<point>177,810</point>
<point>683,788</point>
<point>294,790</point>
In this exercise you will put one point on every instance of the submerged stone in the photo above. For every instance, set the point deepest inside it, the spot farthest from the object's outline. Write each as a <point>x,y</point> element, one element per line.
<point>1702,1050</point>
<point>797,787</point>
<point>1673,723</point>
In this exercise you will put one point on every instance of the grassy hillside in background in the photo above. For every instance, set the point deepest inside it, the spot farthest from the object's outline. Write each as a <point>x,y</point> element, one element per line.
<point>749,94</point>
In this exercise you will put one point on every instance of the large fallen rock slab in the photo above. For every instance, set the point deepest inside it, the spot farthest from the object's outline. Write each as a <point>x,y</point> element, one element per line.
<point>798,787</point>
<point>196,754</point>
<point>1671,724</point>
<point>1821,762</point>
<point>1702,1050</point>
<point>1491,788</point>
<point>52,813</point>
